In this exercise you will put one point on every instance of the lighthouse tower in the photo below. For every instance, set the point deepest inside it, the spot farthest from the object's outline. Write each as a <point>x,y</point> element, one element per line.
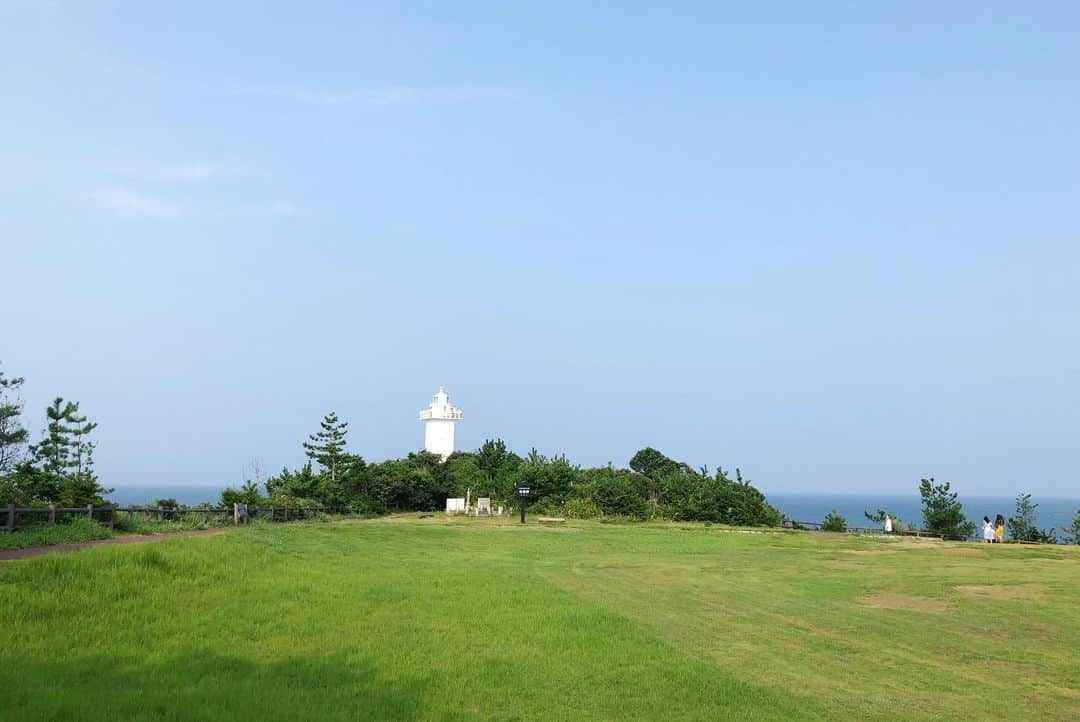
<point>439,420</point>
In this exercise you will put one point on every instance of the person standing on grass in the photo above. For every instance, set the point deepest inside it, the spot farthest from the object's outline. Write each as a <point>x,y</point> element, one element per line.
<point>999,529</point>
<point>888,524</point>
<point>988,530</point>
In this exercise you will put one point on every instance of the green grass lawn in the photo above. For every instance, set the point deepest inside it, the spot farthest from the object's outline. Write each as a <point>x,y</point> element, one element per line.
<point>480,619</point>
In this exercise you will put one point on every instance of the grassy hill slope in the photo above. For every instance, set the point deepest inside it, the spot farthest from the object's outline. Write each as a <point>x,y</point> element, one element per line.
<point>481,619</point>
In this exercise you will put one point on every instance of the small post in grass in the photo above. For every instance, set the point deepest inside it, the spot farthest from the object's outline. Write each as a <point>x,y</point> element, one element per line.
<point>11,518</point>
<point>523,491</point>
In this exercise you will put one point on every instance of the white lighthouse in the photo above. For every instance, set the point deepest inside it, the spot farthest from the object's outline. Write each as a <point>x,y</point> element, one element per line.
<point>439,420</point>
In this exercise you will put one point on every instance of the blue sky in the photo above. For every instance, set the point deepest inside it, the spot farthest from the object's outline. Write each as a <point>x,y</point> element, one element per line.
<point>834,244</point>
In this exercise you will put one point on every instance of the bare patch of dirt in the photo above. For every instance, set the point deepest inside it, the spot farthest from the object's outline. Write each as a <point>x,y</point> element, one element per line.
<point>1001,591</point>
<point>893,600</point>
<point>846,565</point>
<point>869,551</point>
<point>799,623</point>
<point>960,552</point>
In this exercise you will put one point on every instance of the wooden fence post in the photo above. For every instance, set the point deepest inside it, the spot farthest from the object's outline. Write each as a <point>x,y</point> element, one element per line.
<point>90,511</point>
<point>131,514</point>
<point>52,513</point>
<point>112,516</point>
<point>11,518</point>
<point>286,512</point>
<point>160,514</point>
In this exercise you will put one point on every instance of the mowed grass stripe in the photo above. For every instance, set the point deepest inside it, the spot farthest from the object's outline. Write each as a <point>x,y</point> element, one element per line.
<point>375,621</point>
<point>777,616</point>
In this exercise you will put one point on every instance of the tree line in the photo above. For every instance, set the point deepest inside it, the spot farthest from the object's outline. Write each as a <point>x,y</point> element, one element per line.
<point>57,469</point>
<point>653,487</point>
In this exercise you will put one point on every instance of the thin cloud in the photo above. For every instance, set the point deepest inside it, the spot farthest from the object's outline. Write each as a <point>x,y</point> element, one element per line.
<point>128,203</point>
<point>125,202</point>
<point>261,210</point>
<point>384,96</point>
<point>190,172</point>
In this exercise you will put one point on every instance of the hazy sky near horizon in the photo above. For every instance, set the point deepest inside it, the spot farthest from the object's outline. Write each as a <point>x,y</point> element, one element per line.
<point>834,244</point>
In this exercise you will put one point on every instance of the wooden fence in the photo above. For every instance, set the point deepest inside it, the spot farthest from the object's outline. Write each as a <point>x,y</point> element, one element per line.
<point>18,516</point>
<point>816,526</point>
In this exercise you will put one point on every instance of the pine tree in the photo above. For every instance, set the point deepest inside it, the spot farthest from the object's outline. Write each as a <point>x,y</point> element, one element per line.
<point>81,446</point>
<point>942,511</point>
<point>55,451</point>
<point>327,446</point>
<point>82,487</point>
<point>12,435</point>
<point>66,455</point>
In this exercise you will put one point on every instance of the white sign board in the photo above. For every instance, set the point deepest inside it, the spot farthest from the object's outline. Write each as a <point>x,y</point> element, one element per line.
<point>455,506</point>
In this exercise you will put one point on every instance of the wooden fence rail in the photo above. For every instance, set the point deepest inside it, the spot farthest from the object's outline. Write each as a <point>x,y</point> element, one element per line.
<point>107,514</point>
<point>816,526</point>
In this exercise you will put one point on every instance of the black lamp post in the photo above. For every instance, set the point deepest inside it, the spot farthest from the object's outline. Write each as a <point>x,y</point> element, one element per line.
<point>523,491</point>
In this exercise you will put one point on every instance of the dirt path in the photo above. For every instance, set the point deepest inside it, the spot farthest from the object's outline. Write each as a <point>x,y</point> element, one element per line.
<point>127,539</point>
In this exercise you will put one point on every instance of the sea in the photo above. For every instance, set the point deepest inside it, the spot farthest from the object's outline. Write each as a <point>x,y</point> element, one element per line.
<point>802,506</point>
<point>187,494</point>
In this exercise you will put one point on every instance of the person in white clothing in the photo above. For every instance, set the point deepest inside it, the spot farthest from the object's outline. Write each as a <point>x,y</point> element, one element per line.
<point>888,524</point>
<point>988,530</point>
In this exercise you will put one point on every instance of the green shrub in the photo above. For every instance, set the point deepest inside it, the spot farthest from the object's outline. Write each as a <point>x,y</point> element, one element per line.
<point>282,501</point>
<point>619,496</point>
<point>578,508</point>
<point>544,507</point>
<point>834,521</point>
<point>614,492</point>
<point>691,496</point>
<point>79,529</point>
<point>125,525</point>
<point>744,505</point>
<point>188,521</point>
